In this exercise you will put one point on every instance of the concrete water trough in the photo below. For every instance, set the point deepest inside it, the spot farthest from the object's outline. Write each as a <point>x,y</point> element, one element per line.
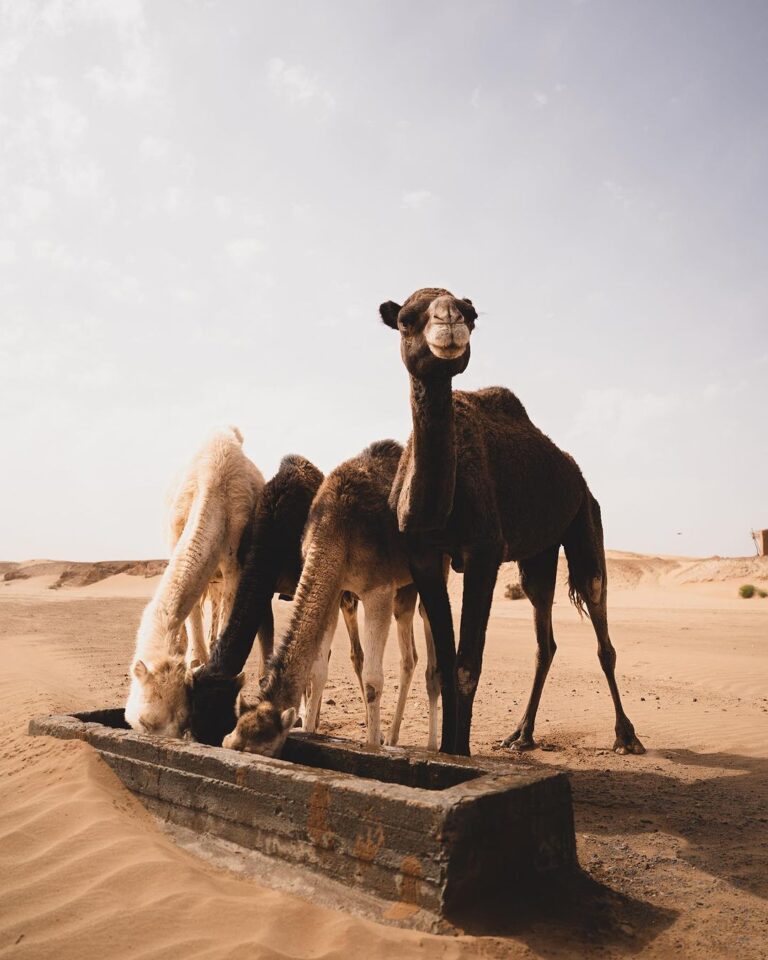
<point>389,828</point>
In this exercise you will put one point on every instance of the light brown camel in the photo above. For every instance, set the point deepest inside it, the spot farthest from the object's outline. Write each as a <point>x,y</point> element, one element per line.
<point>351,543</point>
<point>210,510</point>
<point>480,482</point>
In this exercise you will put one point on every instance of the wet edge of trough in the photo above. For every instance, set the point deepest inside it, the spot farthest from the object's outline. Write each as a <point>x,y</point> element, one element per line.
<point>364,843</point>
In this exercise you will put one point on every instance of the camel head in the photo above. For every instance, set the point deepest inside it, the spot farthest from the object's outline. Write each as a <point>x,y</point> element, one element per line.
<point>261,728</point>
<point>212,704</point>
<point>158,698</point>
<point>435,328</point>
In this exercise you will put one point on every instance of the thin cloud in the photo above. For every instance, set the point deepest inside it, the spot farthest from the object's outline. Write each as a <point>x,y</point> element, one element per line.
<point>244,250</point>
<point>417,199</point>
<point>297,85</point>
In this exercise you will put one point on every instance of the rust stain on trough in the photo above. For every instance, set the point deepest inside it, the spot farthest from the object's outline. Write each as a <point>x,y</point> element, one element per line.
<point>369,840</point>
<point>319,804</point>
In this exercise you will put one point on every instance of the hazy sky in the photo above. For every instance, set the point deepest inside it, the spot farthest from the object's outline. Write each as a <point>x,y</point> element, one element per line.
<point>202,205</point>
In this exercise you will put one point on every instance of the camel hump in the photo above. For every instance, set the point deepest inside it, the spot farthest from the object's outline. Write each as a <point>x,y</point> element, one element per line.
<point>383,450</point>
<point>295,466</point>
<point>497,401</point>
<point>358,489</point>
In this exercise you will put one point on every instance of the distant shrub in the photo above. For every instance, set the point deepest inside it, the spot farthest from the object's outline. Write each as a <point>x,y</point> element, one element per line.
<point>514,591</point>
<point>746,590</point>
<point>762,594</point>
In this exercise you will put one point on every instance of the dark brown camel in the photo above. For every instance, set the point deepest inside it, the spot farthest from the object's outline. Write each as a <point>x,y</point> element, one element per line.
<point>270,553</point>
<point>479,482</point>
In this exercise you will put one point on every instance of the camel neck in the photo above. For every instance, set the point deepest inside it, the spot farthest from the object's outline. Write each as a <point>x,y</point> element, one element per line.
<point>315,606</point>
<point>426,498</point>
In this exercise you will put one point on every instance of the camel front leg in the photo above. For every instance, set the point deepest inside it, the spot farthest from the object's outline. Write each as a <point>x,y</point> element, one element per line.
<point>318,677</point>
<point>197,649</point>
<point>537,576</point>
<point>266,635</point>
<point>230,570</point>
<point>378,606</point>
<point>405,608</point>
<point>427,569</point>
<point>480,572</point>
<point>214,599</point>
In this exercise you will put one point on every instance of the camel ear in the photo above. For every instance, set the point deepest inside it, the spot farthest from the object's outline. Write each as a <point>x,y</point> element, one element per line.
<point>288,718</point>
<point>141,671</point>
<point>240,680</point>
<point>473,311</point>
<point>388,312</point>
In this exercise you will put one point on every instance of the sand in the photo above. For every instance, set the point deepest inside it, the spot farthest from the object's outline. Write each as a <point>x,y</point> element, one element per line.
<point>675,842</point>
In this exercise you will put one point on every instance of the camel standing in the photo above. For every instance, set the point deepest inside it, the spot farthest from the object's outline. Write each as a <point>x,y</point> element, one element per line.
<point>479,482</point>
<point>351,543</point>
<point>210,510</point>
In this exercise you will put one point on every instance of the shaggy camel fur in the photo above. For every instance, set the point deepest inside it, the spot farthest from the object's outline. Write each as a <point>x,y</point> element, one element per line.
<point>210,511</point>
<point>479,482</point>
<point>351,543</point>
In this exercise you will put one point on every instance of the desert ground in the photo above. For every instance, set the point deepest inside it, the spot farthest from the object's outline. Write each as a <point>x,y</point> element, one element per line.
<point>674,844</point>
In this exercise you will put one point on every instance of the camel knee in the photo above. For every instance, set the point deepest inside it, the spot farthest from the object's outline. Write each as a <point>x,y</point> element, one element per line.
<point>466,680</point>
<point>545,653</point>
<point>432,679</point>
<point>373,684</point>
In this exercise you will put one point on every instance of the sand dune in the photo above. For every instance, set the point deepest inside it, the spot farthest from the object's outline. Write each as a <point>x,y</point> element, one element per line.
<point>675,841</point>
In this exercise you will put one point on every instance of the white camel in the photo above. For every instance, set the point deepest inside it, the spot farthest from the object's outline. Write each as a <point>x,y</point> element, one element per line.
<point>209,512</point>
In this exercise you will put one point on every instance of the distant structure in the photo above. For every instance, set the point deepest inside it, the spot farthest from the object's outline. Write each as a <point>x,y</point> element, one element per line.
<point>761,542</point>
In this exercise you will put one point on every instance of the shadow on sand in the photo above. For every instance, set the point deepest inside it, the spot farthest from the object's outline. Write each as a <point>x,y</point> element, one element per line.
<point>578,916</point>
<point>721,817</point>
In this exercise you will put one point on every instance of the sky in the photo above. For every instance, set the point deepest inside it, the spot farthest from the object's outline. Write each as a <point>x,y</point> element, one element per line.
<point>203,204</point>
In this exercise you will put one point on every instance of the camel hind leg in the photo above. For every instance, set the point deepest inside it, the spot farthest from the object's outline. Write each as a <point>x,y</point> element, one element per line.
<point>349,603</point>
<point>405,608</point>
<point>588,580</point>
<point>432,679</point>
<point>538,575</point>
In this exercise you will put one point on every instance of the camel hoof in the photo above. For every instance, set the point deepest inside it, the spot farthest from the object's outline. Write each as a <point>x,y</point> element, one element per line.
<point>630,745</point>
<point>518,741</point>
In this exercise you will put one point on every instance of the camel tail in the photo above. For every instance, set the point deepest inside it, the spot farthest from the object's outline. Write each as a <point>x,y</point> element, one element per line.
<point>584,551</point>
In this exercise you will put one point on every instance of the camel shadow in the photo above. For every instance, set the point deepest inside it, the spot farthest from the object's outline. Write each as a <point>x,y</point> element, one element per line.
<point>722,818</point>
